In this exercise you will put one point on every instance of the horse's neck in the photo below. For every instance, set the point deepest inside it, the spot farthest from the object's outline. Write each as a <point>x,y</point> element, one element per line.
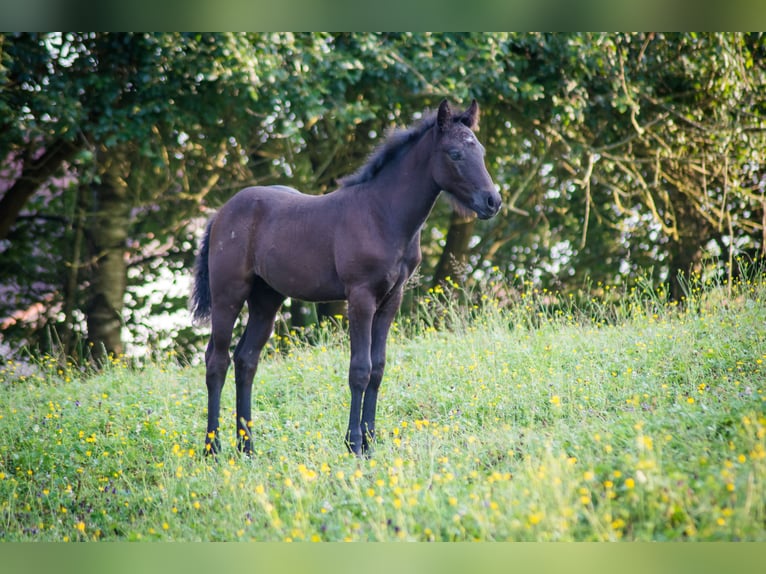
<point>407,190</point>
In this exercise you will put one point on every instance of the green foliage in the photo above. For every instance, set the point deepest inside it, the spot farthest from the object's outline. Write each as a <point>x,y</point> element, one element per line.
<point>617,154</point>
<point>525,422</point>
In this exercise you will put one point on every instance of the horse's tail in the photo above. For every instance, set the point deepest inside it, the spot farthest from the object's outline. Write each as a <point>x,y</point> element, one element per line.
<point>200,302</point>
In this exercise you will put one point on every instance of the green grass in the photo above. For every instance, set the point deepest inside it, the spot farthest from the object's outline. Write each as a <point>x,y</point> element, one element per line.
<point>589,421</point>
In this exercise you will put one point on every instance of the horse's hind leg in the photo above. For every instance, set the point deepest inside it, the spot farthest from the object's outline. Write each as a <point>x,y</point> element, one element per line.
<point>263,304</point>
<point>224,314</point>
<point>217,364</point>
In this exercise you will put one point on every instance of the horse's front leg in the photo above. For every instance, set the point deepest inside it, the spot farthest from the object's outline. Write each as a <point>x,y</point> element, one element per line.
<point>380,326</point>
<point>361,310</point>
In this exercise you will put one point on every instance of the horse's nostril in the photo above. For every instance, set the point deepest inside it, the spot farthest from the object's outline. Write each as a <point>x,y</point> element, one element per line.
<point>491,203</point>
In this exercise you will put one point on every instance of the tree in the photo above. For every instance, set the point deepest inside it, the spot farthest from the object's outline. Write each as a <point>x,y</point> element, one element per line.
<point>640,149</point>
<point>147,114</point>
<point>614,152</point>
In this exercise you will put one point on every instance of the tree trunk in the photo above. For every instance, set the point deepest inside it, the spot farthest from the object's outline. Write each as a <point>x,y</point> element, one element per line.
<point>299,314</point>
<point>73,273</point>
<point>455,254</point>
<point>109,220</point>
<point>335,310</point>
<point>685,252</point>
<point>33,175</point>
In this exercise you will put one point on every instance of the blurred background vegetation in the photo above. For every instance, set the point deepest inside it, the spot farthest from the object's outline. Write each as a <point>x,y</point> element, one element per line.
<point>620,157</point>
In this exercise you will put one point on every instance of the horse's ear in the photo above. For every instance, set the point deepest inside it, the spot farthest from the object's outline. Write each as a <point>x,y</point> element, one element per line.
<point>444,116</point>
<point>470,117</point>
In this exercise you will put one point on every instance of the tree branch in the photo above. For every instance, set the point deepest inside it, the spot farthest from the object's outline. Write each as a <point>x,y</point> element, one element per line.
<point>32,176</point>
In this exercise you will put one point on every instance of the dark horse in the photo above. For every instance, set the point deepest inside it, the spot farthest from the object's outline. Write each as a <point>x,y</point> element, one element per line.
<point>359,243</point>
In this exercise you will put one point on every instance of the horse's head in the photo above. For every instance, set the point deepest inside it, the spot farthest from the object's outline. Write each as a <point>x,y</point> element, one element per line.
<point>458,166</point>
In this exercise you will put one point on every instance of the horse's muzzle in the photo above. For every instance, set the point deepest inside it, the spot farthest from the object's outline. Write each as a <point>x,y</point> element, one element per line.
<point>487,204</point>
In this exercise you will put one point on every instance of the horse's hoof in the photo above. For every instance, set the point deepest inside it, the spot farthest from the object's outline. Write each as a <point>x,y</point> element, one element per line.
<point>354,449</point>
<point>246,452</point>
<point>212,448</point>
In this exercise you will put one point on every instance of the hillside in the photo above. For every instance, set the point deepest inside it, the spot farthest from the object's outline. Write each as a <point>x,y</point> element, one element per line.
<point>643,421</point>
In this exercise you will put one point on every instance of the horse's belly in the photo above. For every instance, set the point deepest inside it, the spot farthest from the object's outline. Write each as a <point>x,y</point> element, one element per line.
<point>309,279</point>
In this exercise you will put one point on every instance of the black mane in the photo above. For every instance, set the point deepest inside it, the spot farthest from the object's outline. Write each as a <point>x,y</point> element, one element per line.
<point>397,142</point>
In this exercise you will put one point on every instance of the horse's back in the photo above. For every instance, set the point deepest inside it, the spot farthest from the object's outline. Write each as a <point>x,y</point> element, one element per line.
<point>284,188</point>
<point>252,201</point>
<point>266,191</point>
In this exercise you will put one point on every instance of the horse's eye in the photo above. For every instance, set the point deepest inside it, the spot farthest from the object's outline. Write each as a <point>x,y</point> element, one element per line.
<point>455,155</point>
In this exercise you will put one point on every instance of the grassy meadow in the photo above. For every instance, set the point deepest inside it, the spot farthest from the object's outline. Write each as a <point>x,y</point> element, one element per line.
<point>619,418</point>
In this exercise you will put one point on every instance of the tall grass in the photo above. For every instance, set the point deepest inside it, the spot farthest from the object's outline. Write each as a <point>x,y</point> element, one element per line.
<point>624,417</point>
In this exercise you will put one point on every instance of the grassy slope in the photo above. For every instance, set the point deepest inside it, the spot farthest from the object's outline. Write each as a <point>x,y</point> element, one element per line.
<point>650,428</point>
